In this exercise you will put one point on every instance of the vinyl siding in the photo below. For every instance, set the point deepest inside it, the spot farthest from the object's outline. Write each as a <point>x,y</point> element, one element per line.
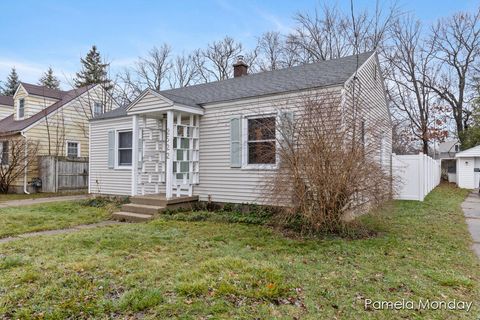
<point>218,181</point>
<point>5,111</point>
<point>102,179</point>
<point>69,123</point>
<point>465,174</point>
<point>149,103</point>
<point>33,104</point>
<point>373,108</point>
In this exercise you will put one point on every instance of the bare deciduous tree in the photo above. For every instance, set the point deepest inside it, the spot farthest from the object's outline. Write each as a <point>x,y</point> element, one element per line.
<point>13,163</point>
<point>456,41</point>
<point>152,71</point>
<point>330,33</point>
<point>271,49</point>
<point>184,71</point>
<point>327,168</point>
<point>409,66</point>
<point>218,58</point>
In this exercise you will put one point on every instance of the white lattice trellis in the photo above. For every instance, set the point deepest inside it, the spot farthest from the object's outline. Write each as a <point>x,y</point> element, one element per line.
<point>185,154</point>
<point>151,155</point>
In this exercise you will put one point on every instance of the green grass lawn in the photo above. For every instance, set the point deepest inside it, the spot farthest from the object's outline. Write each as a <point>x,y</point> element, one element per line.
<point>201,270</point>
<point>47,216</point>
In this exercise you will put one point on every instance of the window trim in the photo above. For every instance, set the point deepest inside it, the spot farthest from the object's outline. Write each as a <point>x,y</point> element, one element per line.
<point>95,103</point>
<point>118,166</point>
<point>78,148</point>
<point>18,108</point>
<point>258,166</point>
<point>2,143</point>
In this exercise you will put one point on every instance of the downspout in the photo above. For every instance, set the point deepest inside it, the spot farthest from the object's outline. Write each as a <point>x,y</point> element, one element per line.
<point>25,174</point>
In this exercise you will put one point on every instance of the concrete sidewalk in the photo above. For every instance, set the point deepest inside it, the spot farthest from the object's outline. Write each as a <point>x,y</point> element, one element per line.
<point>59,231</point>
<point>29,202</point>
<point>471,210</point>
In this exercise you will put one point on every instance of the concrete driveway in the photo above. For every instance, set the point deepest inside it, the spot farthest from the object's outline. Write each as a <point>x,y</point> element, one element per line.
<point>471,210</point>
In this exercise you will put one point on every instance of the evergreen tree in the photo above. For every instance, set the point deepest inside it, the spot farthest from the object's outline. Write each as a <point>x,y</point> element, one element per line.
<point>49,80</point>
<point>94,71</point>
<point>11,84</point>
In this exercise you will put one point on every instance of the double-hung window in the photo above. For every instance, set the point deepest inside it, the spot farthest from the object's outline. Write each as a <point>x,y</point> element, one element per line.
<point>3,152</point>
<point>73,149</point>
<point>97,109</point>
<point>124,148</point>
<point>21,108</point>
<point>260,142</point>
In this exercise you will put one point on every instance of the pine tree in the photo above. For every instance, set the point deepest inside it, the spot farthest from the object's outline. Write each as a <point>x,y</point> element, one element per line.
<point>94,71</point>
<point>49,80</point>
<point>11,84</point>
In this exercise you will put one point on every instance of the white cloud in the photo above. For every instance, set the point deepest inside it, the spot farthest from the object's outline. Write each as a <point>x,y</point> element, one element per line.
<point>30,72</point>
<point>274,20</point>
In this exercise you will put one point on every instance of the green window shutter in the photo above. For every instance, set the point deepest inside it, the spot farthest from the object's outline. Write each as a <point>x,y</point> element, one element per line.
<point>236,142</point>
<point>286,125</point>
<point>111,149</point>
<point>140,149</point>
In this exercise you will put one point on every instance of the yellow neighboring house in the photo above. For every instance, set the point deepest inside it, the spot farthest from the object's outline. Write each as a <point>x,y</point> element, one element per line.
<point>6,106</point>
<point>56,120</point>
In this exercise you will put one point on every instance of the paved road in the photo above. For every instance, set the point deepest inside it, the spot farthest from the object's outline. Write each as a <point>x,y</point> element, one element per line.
<point>471,209</point>
<point>28,202</point>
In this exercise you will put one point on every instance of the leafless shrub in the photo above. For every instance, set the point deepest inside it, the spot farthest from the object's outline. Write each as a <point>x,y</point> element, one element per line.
<point>18,156</point>
<point>330,167</point>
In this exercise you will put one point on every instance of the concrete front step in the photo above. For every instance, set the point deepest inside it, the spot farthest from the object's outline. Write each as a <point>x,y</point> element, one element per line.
<point>131,217</point>
<point>142,208</point>
<point>161,201</point>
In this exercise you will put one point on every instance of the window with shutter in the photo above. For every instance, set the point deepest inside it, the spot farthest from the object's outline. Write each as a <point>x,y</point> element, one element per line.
<point>111,149</point>
<point>235,143</point>
<point>4,152</point>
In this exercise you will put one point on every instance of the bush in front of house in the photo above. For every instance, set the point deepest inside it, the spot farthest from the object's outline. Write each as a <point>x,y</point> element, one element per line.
<point>332,166</point>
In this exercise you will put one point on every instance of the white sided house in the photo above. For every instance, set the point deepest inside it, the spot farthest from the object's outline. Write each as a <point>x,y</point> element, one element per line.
<point>468,168</point>
<point>202,140</point>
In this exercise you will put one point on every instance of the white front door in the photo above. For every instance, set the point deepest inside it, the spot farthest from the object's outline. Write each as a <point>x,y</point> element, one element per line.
<point>476,179</point>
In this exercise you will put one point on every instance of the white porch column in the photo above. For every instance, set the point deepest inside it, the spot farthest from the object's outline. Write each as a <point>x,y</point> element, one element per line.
<point>169,156</point>
<point>134,154</point>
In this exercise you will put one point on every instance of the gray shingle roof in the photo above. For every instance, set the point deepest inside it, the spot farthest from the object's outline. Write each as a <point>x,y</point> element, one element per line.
<point>6,101</point>
<point>42,91</point>
<point>313,75</point>
<point>11,126</point>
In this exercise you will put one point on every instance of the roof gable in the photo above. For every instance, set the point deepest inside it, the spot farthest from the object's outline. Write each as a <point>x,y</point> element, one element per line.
<point>472,152</point>
<point>10,126</point>
<point>41,91</point>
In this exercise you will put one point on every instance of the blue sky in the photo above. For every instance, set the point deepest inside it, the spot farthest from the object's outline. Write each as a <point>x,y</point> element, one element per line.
<point>39,34</point>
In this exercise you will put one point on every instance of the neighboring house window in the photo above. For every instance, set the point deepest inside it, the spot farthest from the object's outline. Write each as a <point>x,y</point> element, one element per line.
<point>73,149</point>
<point>457,148</point>
<point>3,152</point>
<point>260,141</point>
<point>97,109</point>
<point>21,108</point>
<point>125,148</point>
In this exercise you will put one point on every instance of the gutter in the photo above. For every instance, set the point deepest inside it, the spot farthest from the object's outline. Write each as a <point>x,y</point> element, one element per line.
<point>25,174</point>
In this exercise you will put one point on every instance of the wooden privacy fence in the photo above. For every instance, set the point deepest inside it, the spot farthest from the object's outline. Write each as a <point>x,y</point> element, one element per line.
<point>415,176</point>
<point>62,173</point>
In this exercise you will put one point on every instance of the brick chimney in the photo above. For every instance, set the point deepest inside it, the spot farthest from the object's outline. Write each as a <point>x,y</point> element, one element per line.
<point>240,68</point>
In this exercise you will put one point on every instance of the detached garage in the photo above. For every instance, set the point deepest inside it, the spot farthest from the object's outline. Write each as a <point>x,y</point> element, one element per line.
<point>468,168</point>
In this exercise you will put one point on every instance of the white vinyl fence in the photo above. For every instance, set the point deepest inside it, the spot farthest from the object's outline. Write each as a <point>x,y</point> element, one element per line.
<point>415,176</point>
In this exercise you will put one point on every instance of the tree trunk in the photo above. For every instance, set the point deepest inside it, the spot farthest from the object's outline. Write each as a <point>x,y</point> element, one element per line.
<point>425,147</point>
